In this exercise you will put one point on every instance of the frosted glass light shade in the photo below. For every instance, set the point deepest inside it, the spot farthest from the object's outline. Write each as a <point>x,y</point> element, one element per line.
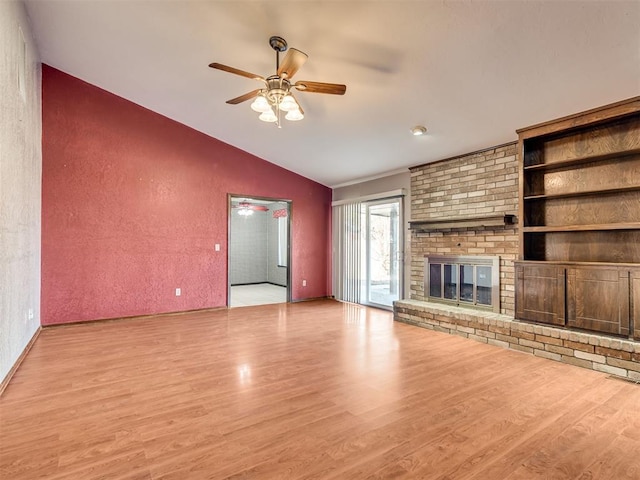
<point>260,104</point>
<point>288,104</point>
<point>294,115</point>
<point>268,116</point>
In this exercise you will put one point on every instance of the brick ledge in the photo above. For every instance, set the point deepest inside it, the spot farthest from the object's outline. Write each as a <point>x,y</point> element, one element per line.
<point>614,356</point>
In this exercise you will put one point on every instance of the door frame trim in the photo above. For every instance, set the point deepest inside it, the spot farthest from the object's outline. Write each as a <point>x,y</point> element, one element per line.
<point>400,234</point>
<point>230,197</point>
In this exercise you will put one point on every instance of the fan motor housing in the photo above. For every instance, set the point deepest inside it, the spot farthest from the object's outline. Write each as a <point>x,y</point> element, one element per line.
<point>277,88</point>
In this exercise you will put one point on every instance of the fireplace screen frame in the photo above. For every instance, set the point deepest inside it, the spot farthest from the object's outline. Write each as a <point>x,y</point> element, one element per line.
<point>463,261</point>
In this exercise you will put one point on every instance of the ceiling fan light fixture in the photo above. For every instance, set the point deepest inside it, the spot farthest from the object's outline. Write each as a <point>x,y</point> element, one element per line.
<point>260,104</point>
<point>274,96</point>
<point>268,116</point>
<point>245,212</point>
<point>294,115</point>
<point>288,104</point>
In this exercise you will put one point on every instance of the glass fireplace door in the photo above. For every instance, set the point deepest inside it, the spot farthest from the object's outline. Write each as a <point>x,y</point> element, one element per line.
<point>463,280</point>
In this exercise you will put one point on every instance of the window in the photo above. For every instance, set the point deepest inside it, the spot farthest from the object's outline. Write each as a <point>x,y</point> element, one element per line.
<point>22,65</point>
<point>283,240</point>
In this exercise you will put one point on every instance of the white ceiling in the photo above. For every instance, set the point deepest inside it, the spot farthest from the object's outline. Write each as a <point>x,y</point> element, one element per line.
<point>472,72</point>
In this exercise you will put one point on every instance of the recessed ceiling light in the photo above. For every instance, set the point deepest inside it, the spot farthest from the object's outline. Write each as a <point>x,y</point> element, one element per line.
<point>418,130</point>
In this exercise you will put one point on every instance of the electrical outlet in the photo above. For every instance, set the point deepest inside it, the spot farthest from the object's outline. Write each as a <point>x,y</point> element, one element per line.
<point>30,314</point>
<point>178,292</point>
<point>217,247</point>
<point>304,283</point>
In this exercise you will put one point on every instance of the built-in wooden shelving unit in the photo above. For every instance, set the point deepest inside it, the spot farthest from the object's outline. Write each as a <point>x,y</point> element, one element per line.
<point>580,204</point>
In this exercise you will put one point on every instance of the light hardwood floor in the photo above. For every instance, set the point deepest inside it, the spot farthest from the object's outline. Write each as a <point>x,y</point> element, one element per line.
<point>316,390</point>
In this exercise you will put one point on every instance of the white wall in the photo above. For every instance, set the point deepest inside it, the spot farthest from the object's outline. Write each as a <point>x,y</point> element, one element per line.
<point>381,185</point>
<point>248,248</point>
<point>253,250</point>
<point>20,184</point>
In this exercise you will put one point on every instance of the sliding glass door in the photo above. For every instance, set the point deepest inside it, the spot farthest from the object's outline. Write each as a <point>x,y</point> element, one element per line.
<point>382,283</point>
<point>367,252</point>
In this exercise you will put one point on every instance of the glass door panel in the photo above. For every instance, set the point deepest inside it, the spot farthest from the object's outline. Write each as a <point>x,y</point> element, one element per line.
<point>384,252</point>
<point>451,282</point>
<point>483,285</point>
<point>466,283</point>
<point>435,280</point>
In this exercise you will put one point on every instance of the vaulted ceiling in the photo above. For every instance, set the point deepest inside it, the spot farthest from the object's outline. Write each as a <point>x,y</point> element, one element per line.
<point>471,72</point>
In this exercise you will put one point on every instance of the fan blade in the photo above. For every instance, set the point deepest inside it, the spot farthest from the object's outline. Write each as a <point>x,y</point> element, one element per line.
<point>244,98</point>
<point>292,62</point>
<point>321,87</point>
<point>299,106</point>
<point>242,73</point>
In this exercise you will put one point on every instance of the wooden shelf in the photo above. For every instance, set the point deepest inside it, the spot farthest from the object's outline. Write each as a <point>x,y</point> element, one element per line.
<point>582,119</point>
<point>582,264</point>
<point>602,191</point>
<point>465,222</point>
<point>583,228</point>
<point>574,162</point>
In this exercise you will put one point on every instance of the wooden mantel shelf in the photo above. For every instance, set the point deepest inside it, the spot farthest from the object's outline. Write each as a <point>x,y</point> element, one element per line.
<point>464,222</point>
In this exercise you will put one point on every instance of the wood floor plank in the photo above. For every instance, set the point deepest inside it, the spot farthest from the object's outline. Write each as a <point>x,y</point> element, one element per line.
<point>315,390</point>
<point>620,460</point>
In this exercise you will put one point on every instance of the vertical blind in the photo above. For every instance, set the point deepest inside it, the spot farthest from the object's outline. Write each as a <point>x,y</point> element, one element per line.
<point>347,251</point>
<point>349,245</point>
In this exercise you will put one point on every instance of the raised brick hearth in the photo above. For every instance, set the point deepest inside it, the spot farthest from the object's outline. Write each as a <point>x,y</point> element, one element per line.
<point>610,355</point>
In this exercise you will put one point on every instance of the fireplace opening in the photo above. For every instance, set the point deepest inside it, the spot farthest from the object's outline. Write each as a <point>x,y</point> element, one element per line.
<point>472,281</point>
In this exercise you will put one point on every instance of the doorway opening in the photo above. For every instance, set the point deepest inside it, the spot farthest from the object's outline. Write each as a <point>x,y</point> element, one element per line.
<point>259,251</point>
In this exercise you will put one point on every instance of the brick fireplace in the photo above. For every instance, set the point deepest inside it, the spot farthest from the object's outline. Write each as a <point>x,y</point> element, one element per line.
<point>479,185</point>
<point>465,206</point>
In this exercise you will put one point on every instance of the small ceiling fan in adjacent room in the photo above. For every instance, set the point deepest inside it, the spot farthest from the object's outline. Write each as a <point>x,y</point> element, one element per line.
<point>245,208</point>
<point>276,94</point>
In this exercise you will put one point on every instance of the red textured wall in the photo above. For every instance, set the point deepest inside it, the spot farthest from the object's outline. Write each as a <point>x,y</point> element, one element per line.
<point>133,204</point>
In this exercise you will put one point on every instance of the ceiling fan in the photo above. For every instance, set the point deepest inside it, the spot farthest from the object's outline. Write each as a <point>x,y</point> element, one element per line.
<point>276,95</point>
<point>245,208</point>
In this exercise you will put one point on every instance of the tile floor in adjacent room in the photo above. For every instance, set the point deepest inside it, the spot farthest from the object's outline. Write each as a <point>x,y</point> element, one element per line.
<point>258,294</point>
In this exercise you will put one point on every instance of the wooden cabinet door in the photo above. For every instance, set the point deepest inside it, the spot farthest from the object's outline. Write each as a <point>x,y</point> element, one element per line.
<point>635,303</point>
<point>598,299</point>
<point>540,292</point>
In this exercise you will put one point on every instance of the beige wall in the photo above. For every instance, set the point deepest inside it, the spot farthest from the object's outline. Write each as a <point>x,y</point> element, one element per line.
<point>381,185</point>
<point>372,187</point>
<point>20,184</point>
<point>478,184</point>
